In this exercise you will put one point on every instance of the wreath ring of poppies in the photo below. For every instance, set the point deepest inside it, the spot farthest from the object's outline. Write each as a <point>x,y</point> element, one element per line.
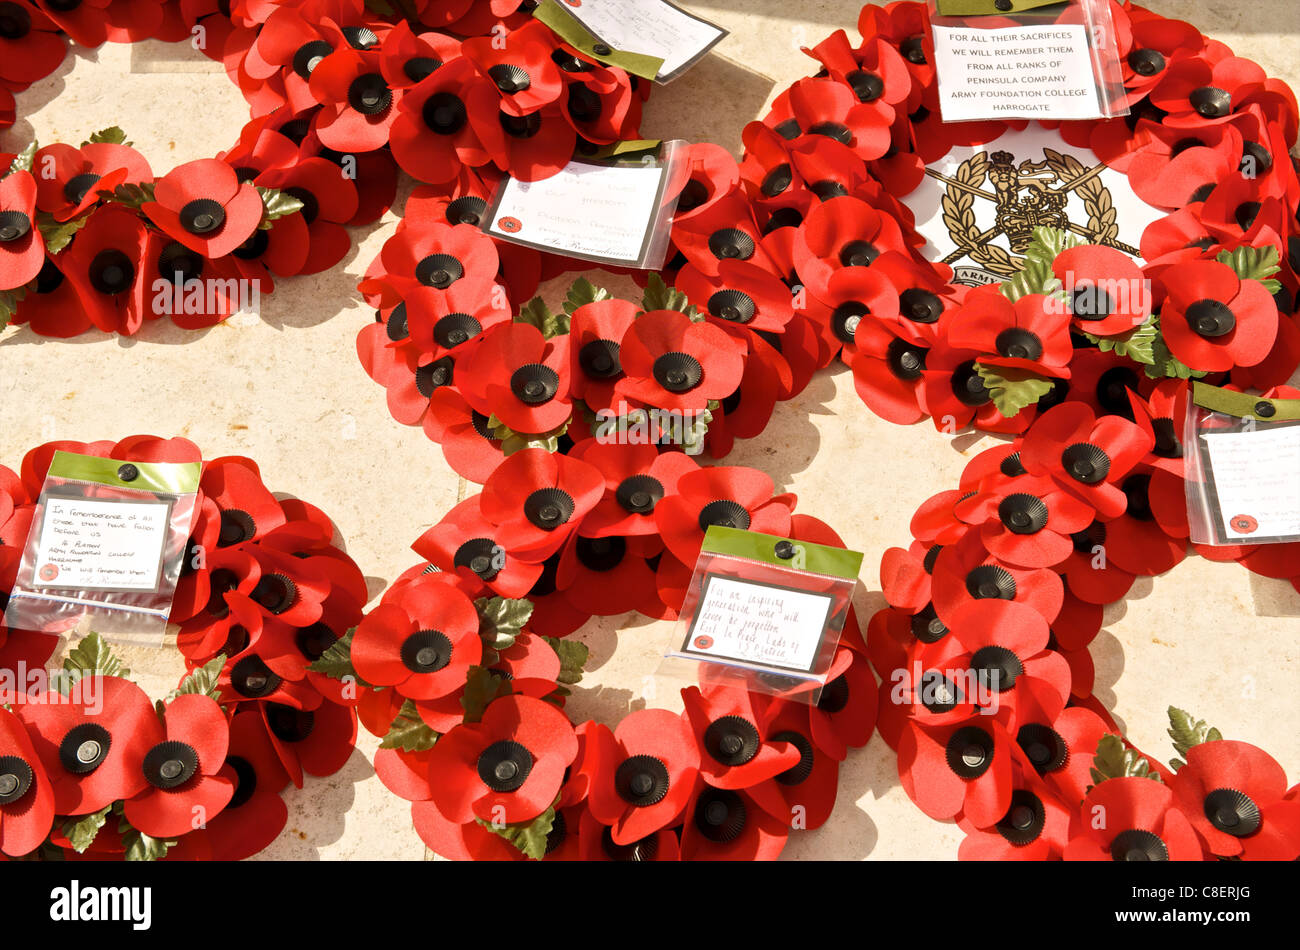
<point>999,581</point>
<point>91,768</point>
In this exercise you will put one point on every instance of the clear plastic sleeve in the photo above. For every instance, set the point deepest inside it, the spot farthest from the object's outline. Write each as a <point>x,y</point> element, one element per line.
<point>1026,59</point>
<point>613,207</point>
<point>105,549</point>
<point>762,613</point>
<point>1241,459</point>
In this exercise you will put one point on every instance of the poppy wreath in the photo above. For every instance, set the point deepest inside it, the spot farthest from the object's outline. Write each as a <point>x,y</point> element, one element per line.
<point>90,768</point>
<point>802,253</point>
<point>341,98</point>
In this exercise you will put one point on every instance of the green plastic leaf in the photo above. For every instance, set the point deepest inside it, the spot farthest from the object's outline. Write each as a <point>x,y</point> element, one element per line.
<point>141,847</point>
<point>481,687</point>
<point>58,234</point>
<point>9,304</point>
<point>573,657</point>
<point>1137,344</point>
<point>276,204</point>
<point>536,313</point>
<point>1187,731</point>
<point>1046,243</point>
<point>582,293</point>
<point>1254,263</point>
<point>23,160</point>
<point>91,657</point>
<point>1115,760</point>
<point>500,619</point>
<point>336,662</point>
<point>133,196</point>
<point>113,135</point>
<point>1012,389</point>
<point>81,831</point>
<point>529,838</point>
<point>202,680</point>
<point>1034,278</point>
<point>1164,363</point>
<point>659,296</point>
<point>409,732</point>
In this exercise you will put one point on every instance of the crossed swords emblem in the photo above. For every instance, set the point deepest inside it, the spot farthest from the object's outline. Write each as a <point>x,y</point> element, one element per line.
<point>966,246</point>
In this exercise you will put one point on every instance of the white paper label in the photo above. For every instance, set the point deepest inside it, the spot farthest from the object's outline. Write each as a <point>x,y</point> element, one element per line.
<point>758,624</point>
<point>1256,478</point>
<point>598,212</point>
<point>1003,190</point>
<point>1023,72</point>
<point>101,545</point>
<point>649,27</point>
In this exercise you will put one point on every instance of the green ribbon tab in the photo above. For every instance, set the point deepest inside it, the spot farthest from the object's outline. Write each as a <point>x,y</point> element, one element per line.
<point>768,548</point>
<point>993,7</point>
<point>1244,405</point>
<point>553,14</point>
<point>174,478</point>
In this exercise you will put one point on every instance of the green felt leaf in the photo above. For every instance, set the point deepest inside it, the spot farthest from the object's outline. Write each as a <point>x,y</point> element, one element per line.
<point>9,303</point>
<point>573,657</point>
<point>1137,344</point>
<point>336,662</point>
<point>1254,263</point>
<point>91,657</point>
<point>1164,363</point>
<point>81,830</point>
<point>529,837</point>
<point>133,196</point>
<point>202,680</point>
<point>113,135</point>
<point>141,847</point>
<point>517,443</point>
<point>1115,760</point>
<point>583,292</point>
<point>23,160</point>
<point>409,732</point>
<point>276,204</point>
<point>659,296</point>
<point>536,313</point>
<point>500,619</point>
<point>481,687</point>
<point>1012,389</point>
<point>1035,277</point>
<point>1187,731</point>
<point>58,234</point>
<point>1046,243</point>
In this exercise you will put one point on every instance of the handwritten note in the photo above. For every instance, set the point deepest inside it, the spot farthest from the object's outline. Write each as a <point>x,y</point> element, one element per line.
<point>101,545</point>
<point>650,27</point>
<point>758,624</point>
<point>1025,72</point>
<point>596,212</point>
<point>1255,478</point>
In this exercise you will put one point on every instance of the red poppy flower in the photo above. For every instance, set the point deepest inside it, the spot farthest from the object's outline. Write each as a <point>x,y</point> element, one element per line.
<point>1093,576</point>
<point>462,543</point>
<point>22,249</point>
<point>643,774</point>
<point>26,796</point>
<point>1156,42</point>
<point>407,57</point>
<point>842,233</point>
<point>1035,827</point>
<point>1105,291</point>
<point>329,202</point>
<point>467,442</point>
<point>421,641</point>
<point>745,413</point>
<point>186,753</point>
<point>519,64</point>
<point>728,825</point>
<point>637,477</point>
<point>104,265</point>
<point>1131,819</point>
<point>1135,541</point>
<point>724,230</point>
<point>1085,455</point>
<point>357,106</point>
<point>730,496</point>
<point>844,715</point>
<point>740,293</point>
<point>442,321</point>
<point>1029,335</point>
<point>959,769</point>
<point>672,363</point>
<point>434,255</point>
<point>508,767</point>
<point>825,107</point>
<point>256,813</point>
<point>1233,794</point>
<point>1213,320</point>
<point>1156,414</point>
<point>1025,521</point>
<point>595,333</point>
<point>729,725</point>
<point>316,741</point>
<point>51,306</point>
<point>953,393</point>
<point>1196,92</point>
<point>966,572</point>
<point>91,743</point>
<point>519,376</point>
<point>887,365</point>
<point>538,499</point>
<point>203,205</point>
<point>69,179</point>
<point>432,135</point>
<point>1008,651</point>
